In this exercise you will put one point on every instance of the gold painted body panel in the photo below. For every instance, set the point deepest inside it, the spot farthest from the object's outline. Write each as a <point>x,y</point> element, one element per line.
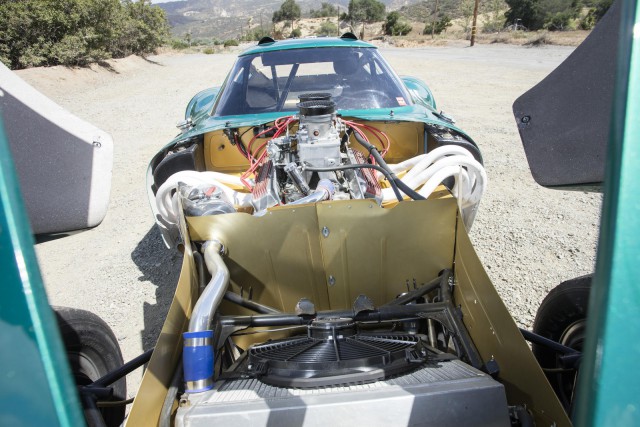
<point>407,140</point>
<point>168,350</point>
<point>497,336</point>
<point>285,256</point>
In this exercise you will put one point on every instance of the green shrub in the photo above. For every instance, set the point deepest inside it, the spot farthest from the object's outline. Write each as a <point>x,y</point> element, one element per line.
<point>554,15</point>
<point>295,33</point>
<point>559,21</point>
<point>179,44</point>
<point>437,27</point>
<point>396,26</point>
<point>493,26</point>
<point>256,34</point>
<point>75,50</point>
<point>588,21</point>
<point>209,51</point>
<point>230,42</point>
<point>77,32</point>
<point>327,28</point>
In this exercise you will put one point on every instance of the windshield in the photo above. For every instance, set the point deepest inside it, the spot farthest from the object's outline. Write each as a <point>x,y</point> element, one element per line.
<point>356,78</point>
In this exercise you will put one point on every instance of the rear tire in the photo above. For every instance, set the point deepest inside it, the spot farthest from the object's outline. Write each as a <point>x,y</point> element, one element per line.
<point>562,318</point>
<point>93,351</point>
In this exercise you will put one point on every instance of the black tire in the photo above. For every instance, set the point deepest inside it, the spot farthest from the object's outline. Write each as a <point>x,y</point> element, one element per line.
<point>93,351</point>
<point>562,318</point>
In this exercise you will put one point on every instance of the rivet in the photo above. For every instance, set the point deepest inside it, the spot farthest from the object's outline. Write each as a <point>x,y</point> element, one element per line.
<point>325,231</point>
<point>332,280</point>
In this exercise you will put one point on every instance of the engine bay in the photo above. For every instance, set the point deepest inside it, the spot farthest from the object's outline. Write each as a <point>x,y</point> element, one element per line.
<point>314,268</point>
<point>312,157</point>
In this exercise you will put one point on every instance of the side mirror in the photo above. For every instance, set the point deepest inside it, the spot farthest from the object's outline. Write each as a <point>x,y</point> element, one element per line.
<point>420,92</point>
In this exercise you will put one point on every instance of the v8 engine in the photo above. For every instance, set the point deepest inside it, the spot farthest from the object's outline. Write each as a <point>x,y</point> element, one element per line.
<point>309,166</point>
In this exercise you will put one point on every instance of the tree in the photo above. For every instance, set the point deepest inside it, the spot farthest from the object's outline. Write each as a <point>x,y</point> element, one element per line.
<point>527,11</point>
<point>365,12</point>
<point>595,13</point>
<point>77,32</point>
<point>495,23</point>
<point>289,11</point>
<point>437,27</point>
<point>395,25</point>
<point>326,10</point>
<point>537,14</point>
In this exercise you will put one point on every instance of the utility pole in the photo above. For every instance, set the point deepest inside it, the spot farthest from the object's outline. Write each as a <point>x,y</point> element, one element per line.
<point>435,17</point>
<point>475,21</point>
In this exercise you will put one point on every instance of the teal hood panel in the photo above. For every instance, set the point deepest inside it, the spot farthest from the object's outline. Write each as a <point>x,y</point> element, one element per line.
<point>410,113</point>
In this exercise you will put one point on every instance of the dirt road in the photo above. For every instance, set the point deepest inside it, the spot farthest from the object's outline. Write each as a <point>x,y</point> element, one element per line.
<point>529,238</point>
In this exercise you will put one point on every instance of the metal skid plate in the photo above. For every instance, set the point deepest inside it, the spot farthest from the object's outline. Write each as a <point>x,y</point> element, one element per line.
<point>444,393</point>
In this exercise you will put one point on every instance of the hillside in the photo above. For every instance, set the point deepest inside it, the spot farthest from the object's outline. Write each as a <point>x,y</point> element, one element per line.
<point>218,19</point>
<point>208,20</point>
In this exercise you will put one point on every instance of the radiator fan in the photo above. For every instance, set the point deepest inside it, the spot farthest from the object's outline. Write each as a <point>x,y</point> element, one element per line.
<point>334,353</point>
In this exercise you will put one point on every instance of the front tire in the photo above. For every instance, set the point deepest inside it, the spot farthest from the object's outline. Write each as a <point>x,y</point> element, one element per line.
<point>93,351</point>
<point>562,318</point>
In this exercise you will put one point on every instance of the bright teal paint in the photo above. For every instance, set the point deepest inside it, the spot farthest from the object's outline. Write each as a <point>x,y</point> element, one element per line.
<point>35,380</point>
<point>420,92</point>
<point>201,104</point>
<point>306,44</point>
<point>609,386</point>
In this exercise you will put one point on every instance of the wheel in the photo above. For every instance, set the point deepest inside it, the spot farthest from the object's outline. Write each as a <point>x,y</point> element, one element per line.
<point>562,318</point>
<point>93,351</point>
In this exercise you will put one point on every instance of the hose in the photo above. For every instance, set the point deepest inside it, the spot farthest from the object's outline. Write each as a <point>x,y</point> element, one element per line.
<point>473,148</point>
<point>378,157</point>
<point>427,171</point>
<point>424,160</point>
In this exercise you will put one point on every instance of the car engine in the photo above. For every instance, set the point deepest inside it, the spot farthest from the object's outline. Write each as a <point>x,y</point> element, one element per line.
<point>310,158</point>
<point>305,167</point>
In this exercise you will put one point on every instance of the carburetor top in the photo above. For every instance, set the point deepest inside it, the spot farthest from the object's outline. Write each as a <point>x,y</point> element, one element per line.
<point>319,107</point>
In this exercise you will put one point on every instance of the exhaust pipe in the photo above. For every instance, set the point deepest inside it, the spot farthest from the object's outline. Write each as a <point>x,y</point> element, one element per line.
<point>198,357</point>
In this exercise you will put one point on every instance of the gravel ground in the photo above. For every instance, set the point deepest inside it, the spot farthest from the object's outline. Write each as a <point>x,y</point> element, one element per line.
<point>528,238</point>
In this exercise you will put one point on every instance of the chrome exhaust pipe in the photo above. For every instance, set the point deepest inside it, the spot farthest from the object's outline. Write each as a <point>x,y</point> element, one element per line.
<point>198,357</point>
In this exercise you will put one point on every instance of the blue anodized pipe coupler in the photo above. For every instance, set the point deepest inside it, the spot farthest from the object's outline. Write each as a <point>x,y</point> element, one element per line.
<point>198,361</point>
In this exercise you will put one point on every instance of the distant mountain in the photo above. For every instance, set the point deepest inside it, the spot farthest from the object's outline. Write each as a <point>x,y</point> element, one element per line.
<point>222,19</point>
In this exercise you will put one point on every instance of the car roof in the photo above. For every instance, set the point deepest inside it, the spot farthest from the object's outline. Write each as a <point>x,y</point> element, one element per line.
<point>305,43</point>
